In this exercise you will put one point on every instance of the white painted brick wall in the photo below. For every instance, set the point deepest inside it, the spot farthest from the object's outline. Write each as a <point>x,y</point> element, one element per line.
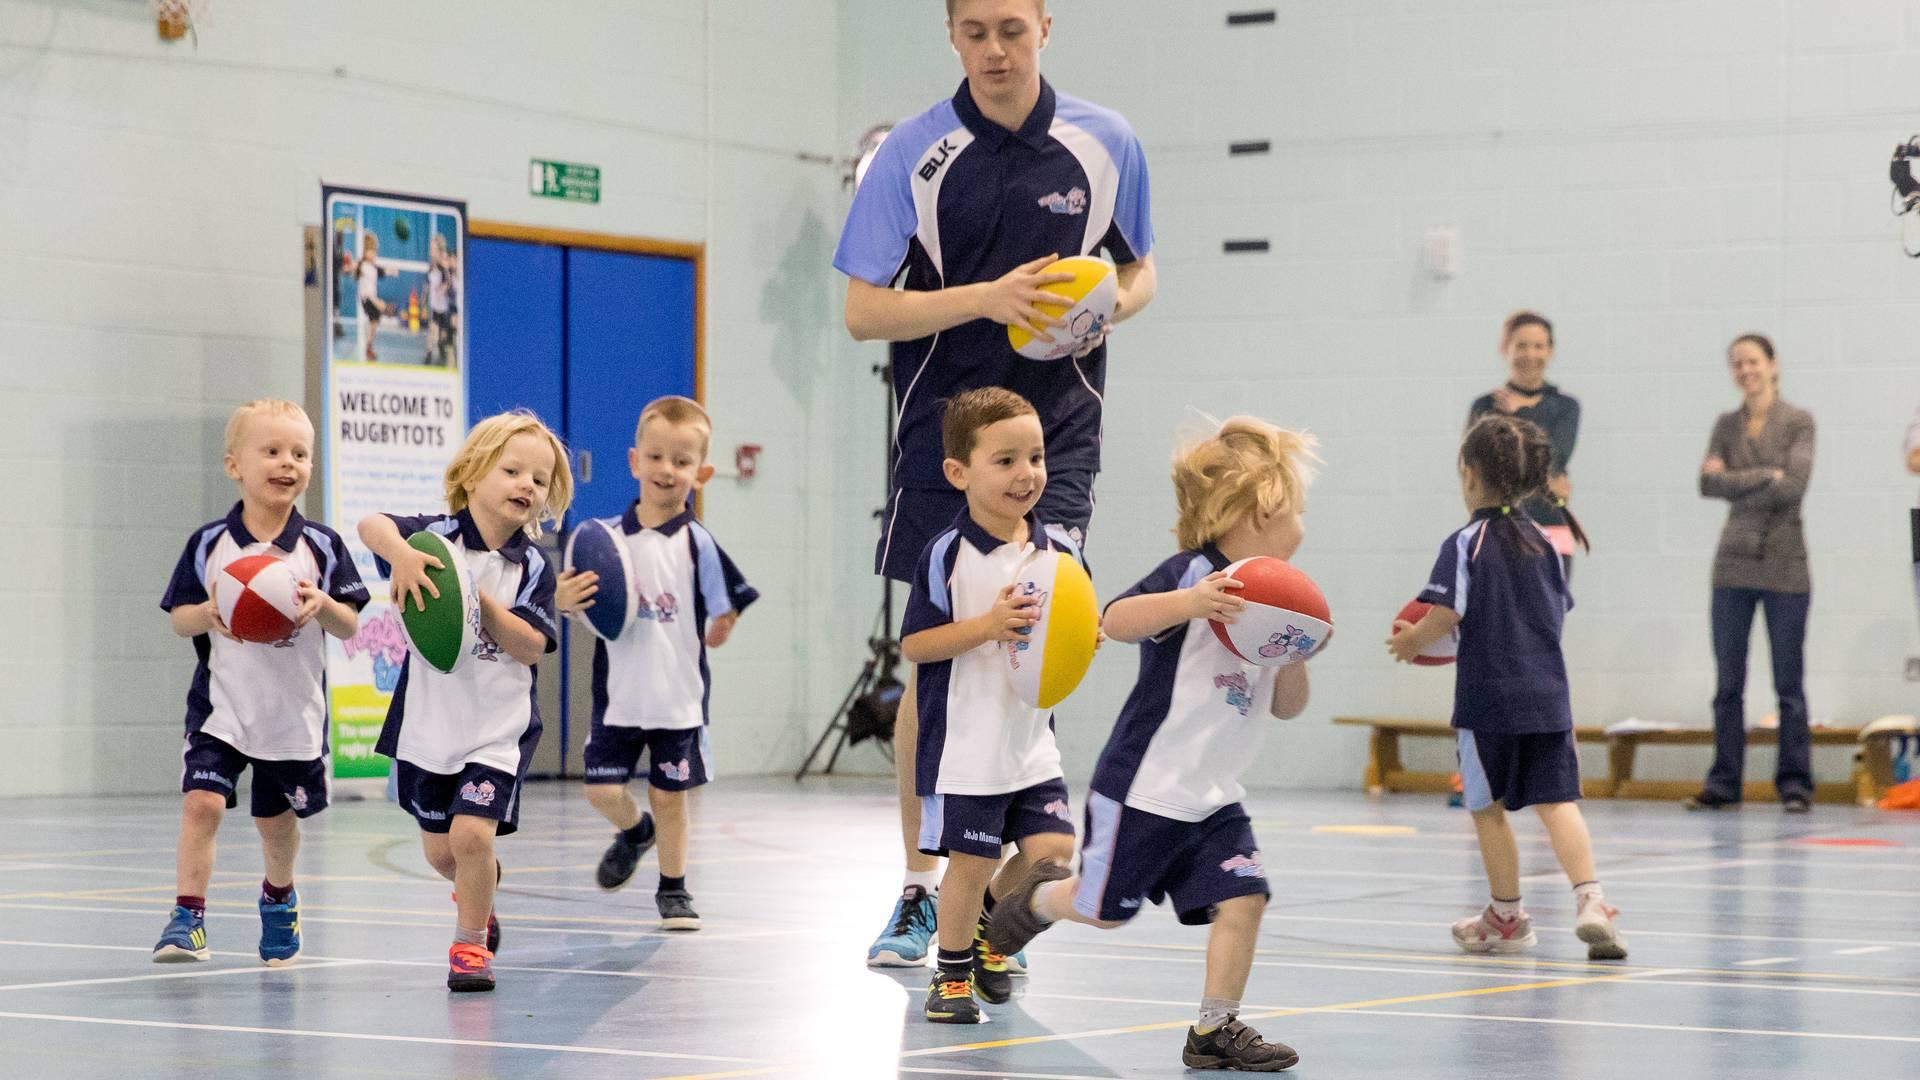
<point>1657,177</point>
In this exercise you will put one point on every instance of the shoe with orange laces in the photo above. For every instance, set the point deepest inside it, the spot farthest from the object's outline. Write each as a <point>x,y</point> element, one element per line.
<point>991,979</point>
<point>469,968</point>
<point>950,999</point>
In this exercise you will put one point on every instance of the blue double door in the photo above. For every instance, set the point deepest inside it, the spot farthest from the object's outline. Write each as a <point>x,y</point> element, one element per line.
<point>584,338</point>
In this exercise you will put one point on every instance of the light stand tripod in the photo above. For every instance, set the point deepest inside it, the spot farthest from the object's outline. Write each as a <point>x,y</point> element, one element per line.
<point>876,679</point>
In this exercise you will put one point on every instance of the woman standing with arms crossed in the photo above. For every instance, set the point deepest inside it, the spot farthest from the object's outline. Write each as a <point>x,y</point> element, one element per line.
<point>1526,341</point>
<point>1759,460</point>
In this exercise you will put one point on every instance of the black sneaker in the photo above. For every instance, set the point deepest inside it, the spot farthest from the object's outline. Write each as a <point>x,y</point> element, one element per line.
<point>617,865</point>
<point>676,910</point>
<point>1235,1046</point>
<point>1014,923</point>
<point>991,979</point>
<point>493,933</point>
<point>950,999</point>
<point>1707,800</point>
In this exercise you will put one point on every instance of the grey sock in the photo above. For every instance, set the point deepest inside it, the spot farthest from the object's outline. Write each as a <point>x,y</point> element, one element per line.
<point>464,936</point>
<point>1214,1013</point>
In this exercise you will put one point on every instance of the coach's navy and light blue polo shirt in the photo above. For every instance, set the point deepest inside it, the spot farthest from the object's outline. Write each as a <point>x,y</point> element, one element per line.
<point>1510,678</point>
<point>1197,714</point>
<point>977,737</point>
<point>953,198</point>
<point>488,711</point>
<point>266,701</point>
<point>654,675</point>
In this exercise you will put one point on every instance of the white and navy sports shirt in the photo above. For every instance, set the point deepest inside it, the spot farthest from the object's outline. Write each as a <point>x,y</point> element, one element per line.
<point>953,198</point>
<point>267,701</point>
<point>976,736</point>
<point>1197,714</point>
<point>487,712</point>
<point>1510,677</point>
<point>655,674</point>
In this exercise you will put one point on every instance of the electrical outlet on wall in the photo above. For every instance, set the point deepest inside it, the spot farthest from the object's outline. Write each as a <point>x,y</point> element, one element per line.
<point>1913,669</point>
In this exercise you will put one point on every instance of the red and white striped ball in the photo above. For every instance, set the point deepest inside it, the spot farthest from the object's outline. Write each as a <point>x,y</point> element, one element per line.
<point>258,598</point>
<point>1286,618</point>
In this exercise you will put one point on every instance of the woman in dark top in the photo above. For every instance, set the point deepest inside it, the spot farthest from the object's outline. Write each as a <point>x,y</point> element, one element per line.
<point>1759,460</point>
<point>1527,344</point>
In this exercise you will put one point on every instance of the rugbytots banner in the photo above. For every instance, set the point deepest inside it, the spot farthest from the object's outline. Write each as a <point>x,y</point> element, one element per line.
<point>395,392</point>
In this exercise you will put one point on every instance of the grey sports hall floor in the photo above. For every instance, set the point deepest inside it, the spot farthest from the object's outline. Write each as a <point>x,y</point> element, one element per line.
<point>1758,952</point>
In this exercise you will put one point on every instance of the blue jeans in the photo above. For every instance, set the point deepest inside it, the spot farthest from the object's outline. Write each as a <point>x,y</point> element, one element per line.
<point>1786,641</point>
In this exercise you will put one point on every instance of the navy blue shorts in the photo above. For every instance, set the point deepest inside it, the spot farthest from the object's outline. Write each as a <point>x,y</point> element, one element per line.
<point>210,764</point>
<point>1130,856</point>
<point>679,758</point>
<point>1518,771</point>
<point>915,516</point>
<point>982,824</point>
<point>476,791</point>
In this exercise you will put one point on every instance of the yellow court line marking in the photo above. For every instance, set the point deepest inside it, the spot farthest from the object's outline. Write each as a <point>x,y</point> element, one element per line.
<point>1367,830</point>
<point>1376,1003</point>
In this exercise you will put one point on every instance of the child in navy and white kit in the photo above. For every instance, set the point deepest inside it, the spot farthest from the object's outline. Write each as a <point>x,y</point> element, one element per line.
<point>461,742</point>
<point>651,685</point>
<point>1499,582</point>
<point>263,706</point>
<point>987,770</point>
<point>1164,819</point>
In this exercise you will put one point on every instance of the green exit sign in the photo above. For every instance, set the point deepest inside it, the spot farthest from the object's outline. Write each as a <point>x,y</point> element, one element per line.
<point>564,180</point>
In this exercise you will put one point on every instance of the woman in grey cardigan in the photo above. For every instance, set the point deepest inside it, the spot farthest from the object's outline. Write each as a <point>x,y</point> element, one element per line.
<point>1759,460</point>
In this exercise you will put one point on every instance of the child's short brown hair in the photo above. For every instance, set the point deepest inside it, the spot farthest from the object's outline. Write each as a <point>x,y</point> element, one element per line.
<point>968,413</point>
<point>675,409</point>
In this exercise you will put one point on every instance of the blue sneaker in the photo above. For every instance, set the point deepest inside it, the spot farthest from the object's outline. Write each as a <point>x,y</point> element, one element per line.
<point>1017,963</point>
<point>184,940</point>
<point>904,942</point>
<point>280,931</point>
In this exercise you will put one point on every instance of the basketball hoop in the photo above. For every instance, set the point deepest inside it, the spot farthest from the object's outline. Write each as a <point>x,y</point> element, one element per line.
<point>176,19</point>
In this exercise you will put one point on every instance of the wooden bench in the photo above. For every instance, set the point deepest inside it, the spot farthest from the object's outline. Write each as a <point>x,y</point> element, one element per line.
<point>1385,772</point>
<point>1872,773</point>
<point>1622,747</point>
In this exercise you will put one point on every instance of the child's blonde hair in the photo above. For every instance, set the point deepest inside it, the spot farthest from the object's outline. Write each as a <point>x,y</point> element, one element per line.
<point>487,441</point>
<point>1247,465</point>
<point>675,409</point>
<point>237,420</point>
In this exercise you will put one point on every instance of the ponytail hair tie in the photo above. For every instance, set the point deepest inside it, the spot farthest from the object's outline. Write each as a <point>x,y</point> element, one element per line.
<point>1505,510</point>
<point>1560,503</point>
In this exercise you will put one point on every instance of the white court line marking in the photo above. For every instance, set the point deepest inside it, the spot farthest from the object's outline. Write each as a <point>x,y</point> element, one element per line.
<point>1863,950</point>
<point>302,1033</point>
<point>1621,1026</point>
<point>998,1073</point>
<point>198,973</point>
<point>1766,961</point>
<point>441,923</point>
<point>1273,916</point>
<point>1496,976</point>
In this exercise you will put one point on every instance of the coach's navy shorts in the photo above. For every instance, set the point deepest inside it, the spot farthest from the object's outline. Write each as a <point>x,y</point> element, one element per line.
<point>915,516</point>
<point>1130,856</point>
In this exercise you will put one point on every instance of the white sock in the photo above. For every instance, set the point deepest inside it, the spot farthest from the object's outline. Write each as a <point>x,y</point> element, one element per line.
<point>1507,909</point>
<point>1586,889</point>
<point>926,879</point>
<point>1042,900</point>
<point>1215,1012</point>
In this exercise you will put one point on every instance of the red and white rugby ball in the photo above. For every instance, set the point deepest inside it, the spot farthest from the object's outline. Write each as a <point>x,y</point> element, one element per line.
<point>1286,619</point>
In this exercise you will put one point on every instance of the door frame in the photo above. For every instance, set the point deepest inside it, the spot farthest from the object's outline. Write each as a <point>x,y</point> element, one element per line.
<point>634,245</point>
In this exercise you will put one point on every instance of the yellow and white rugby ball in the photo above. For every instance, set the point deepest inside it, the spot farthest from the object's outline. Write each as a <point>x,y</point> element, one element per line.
<point>1085,308</point>
<point>1053,657</point>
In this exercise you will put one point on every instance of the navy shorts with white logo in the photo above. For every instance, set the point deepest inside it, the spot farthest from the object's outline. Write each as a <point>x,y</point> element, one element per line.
<point>211,764</point>
<point>677,757</point>
<point>476,791</point>
<point>915,516</point>
<point>1130,856</point>
<point>1518,771</point>
<point>982,824</point>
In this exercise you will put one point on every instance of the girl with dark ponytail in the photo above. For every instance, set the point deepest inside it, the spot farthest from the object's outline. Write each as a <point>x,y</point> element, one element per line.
<point>1501,585</point>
